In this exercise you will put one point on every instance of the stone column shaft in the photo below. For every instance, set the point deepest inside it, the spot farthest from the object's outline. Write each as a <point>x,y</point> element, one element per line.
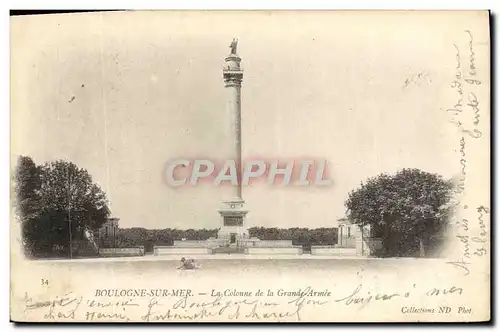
<point>233,76</point>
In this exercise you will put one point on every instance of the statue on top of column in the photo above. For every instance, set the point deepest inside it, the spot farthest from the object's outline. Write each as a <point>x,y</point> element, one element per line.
<point>233,45</point>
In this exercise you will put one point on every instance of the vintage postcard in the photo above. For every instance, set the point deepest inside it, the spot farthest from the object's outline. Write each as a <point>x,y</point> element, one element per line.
<point>250,166</point>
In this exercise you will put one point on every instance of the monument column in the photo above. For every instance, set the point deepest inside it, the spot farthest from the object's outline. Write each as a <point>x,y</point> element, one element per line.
<point>233,76</point>
<point>233,229</point>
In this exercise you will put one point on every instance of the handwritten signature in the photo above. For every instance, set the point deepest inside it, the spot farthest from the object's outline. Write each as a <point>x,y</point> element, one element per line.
<point>61,307</point>
<point>465,115</point>
<point>466,81</point>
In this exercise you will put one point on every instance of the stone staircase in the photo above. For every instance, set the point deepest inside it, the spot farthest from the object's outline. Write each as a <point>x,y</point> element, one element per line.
<point>228,250</point>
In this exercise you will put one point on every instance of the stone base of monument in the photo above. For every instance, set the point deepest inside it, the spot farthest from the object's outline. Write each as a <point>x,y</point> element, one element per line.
<point>247,246</point>
<point>228,250</point>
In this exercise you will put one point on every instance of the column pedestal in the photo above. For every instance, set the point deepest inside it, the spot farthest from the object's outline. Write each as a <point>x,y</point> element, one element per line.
<point>233,230</point>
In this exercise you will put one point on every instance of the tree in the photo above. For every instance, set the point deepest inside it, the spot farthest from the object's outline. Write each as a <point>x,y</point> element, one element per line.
<point>410,205</point>
<point>64,202</point>
<point>27,178</point>
<point>69,190</point>
<point>27,185</point>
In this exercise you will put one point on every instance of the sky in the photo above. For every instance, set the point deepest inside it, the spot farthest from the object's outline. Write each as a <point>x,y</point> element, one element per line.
<point>121,94</point>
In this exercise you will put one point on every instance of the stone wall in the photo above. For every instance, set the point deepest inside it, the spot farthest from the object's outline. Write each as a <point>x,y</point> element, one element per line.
<point>274,244</point>
<point>84,248</point>
<point>169,250</point>
<point>332,251</point>
<point>367,246</point>
<point>296,250</point>
<point>251,242</point>
<point>121,252</point>
<point>190,244</point>
<point>214,243</point>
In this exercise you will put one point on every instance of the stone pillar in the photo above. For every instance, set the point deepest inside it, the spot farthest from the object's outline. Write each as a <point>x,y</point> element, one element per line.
<point>233,210</point>
<point>233,76</point>
<point>361,245</point>
<point>341,235</point>
<point>366,244</point>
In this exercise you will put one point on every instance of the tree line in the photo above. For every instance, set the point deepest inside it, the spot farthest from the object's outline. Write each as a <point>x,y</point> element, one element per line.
<point>133,237</point>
